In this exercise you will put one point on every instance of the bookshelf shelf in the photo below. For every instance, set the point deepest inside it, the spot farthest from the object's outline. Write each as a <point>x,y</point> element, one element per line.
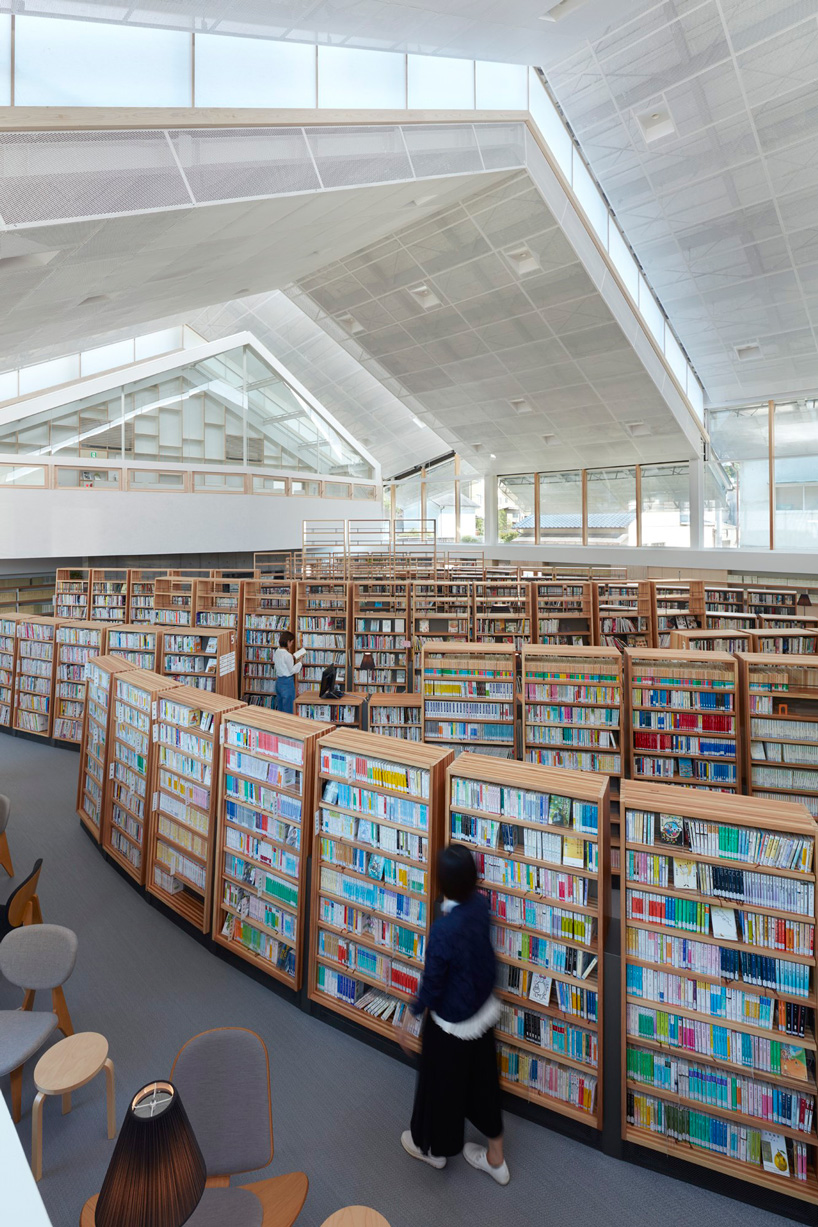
<point>380,636</point>
<point>174,601</point>
<point>140,600</point>
<point>322,619</point>
<point>502,610</point>
<point>676,605</point>
<point>33,707</point>
<point>219,604</point>
<point>8,664</point>
<point>712,641</point>
<point>268,610</point>
<point>563,612</point>
<point>624,614</point>
<point>539,837</point>
<point>771,601</point>
<point>131,750</point>
<point>372,912</point>
<point>780,700</point>
<point>75,645</point>
<point>94,751</point>
<point>205,659</point>
<point>181,841</point>
<point>110,596</point>
<point>780,635</point>
<point>348,711</point>
<point>72,587</point>
<point>395,715</point>
<point>718,1032</point>
<point>682,717</point>
<point>139,644</point>
<point>442,612</point>
<point>469,697</point>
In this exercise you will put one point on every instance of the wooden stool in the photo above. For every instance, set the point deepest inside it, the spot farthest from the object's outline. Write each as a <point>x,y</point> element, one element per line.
<point>355,1216</point>
<point>63,1069</point>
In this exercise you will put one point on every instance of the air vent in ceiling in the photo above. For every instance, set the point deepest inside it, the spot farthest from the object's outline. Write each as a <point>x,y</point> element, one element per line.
<point>748,351</point>
<point>424,295</point>
<point>656,123</point>
<point>32,259</point>
<point>550,440</point>
<point>352,325</point>
<point>636,429</point>
<point>521,405</point>
<point>522,259</point>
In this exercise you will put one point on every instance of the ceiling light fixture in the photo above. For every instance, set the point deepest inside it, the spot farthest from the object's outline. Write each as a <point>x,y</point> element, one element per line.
<point>95,298</point>
<point>492,455</point>
<point>562,9</point>
<point>418,422</point>
<point>550,440</point>
<point>32,259</point>
<point>748,351</point>
<point>352,325</point>
<point>425,296</point>
<point>520,405</point>
<point>656,123</point>
<point>420,201</point>
<point>523,260</point>
<point>636,429</point>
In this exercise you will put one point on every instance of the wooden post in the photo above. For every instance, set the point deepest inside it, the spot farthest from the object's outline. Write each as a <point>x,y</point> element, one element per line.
<point>584,506</point>
<point>771,461</point>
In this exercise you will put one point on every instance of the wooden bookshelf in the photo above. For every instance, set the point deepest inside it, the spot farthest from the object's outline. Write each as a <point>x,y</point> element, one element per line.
<point>131,750</point>
<point>174,600</point>
<point>469,698</point>
<point>8,664</point>
<point>683,718</point>
<point>110,595</point>
<point>268,610</point>
<point>395,715</point>
<point>76,643</point>
<point>72,586</point>
<point>538,835</point>
<point>780,636</point>
<point>206,659</point>
<point>33,707</point>
<point>676,605</point>
<point>380,636</point>
<point>700,1080</point>
<point>140,600</point>
<point>712,641</point>
<point>181,844</point>
<point>763,601</point>
<point>502,610</point>
<point>624,614</point>
<point>724,610</point>
<point>562,611</point>
<point>219,604</point>
<point>322,622</point>
<point>347,711</point>
<point>442,611</point>
<point>94,750</point>
<point>375,800</point>
<point>779,698</point>
<point>137,643</point>
<point>266,806</point>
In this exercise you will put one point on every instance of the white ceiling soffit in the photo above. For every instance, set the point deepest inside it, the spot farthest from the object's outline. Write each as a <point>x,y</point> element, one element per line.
<point>514,31</point>
<point>485,322</point>
<point>722,210</point>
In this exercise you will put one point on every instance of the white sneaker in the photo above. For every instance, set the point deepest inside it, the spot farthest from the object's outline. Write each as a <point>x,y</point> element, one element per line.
<point>411,1149</point>
<point>477,1156</point>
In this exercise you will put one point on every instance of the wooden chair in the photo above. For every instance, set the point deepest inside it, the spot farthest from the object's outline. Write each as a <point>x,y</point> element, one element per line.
<point>23,906</point>
<point>5,854</point>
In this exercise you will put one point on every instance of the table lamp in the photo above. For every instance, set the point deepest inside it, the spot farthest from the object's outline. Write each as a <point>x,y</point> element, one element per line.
<point>157,1172</point>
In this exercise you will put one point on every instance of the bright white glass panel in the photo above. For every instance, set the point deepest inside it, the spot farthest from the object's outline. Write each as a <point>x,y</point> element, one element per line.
<point>588,196</point>
<point>501,87</point>
<point>155,343</point>
<point>5,60</point>
<point>250,72</point>
<point>545,116</point>
<point>650,311</point>
<point>623,261</point>
<point>49,374</point>
<point>106,357</point>
<point>22,475</point>
<point>8,385</point>
<point>695,394</point>
<point>674,355</point>
<point>85,63</point>
<point>348,77</point>
<point>436,83</point>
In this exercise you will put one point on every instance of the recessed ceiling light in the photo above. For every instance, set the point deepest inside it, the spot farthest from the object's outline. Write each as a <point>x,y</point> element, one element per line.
<point>520,405</point>
<point>492,455</point>
<point>550,440</point>
<point>424,295</point>
<point>32,259</point>
<point>656,123</point>
<point>238,293</point>
<point>748,351</point>
<point>95,298</point>
<point>522,260</point>
<point>418,422</point>
<point>637,428</point>
<point>420,201</point>
<point>349,322</point>
<point>562,9</point>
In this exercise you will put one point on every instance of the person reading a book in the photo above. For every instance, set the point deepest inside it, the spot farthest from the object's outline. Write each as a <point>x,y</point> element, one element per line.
<point>286,667</point>
<point>457,1076</point>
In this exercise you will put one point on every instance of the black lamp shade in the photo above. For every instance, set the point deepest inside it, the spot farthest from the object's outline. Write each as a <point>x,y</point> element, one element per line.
<point>157,1172</point>
<point>804,599</point>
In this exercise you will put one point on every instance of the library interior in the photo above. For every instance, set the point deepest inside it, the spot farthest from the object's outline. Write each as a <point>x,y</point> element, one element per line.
<point>418,767</point>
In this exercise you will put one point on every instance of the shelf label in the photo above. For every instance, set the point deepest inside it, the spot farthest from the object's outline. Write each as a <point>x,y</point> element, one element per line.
<point>154,709</point>
<point>227,663</point>
<point>155,801</point>
<point>155,732</point>
<point>111,771</point>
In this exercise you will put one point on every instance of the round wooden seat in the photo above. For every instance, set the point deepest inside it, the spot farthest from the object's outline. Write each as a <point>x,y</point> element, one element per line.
<point>355,1216</point>
<point>71,1063</point>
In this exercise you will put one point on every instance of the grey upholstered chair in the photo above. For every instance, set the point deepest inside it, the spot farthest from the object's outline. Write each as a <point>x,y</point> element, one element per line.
<point>33,957</point>
<point>223,1078</point>
<point>5,854</point>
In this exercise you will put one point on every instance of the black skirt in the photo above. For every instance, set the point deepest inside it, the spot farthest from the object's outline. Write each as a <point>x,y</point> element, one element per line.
<point>457,1081</point>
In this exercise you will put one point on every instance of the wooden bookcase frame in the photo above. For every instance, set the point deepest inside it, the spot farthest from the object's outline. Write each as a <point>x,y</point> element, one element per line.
<point>736,812</point>
<point>437,600</point>
<point>268,610</point>
<point>502,609</point>
<point>222,655</point>
<point>568,602</point>
<point>331,709</point>
<point>96,737</point>
<point>672,599</point>
<point>110,584</point>
<point>383,703</point>
<point>729,641</point>
<point>153,634</point>
<point>380,600</point>
<point>616,601</point>
<point>576,785</point>
<point>761,600</point>
<point>400,753</point>
<point>140,599</point>
<point>803,696</point>
<point>174,602</point>
<point>73,584</point>
<point>322,601</point>
<point>222,599</point>
<point>8,666</point>
<point>781,636</point>
<point>96,636</point>
<point>20,673</point>
<point>309,733</point>
<point>470,659</point>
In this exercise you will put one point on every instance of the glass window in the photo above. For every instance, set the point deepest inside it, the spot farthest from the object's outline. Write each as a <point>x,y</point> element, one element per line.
<point>49,374</point>
<point>5,60</point>
<point>720,525</point>
<point>695,394</point>
<point>547,119</point>
<point>155,343</point>
<point>106,357</point>
<point>437,83</point>
<point>229,483</point>
<point>666,504</point>
<point>269,485</point>
<point>22,475</point>
<point>501,87</point>
<point>9,385</point>
<point>91,428</point>
<point>561,508</point>
<point>440,500</point>
<point>623,261</point>
<point>515,507</point>
<point>612,506</point>
<point>408,509</point>
<point>250,72</point>
<point>587,193</point>
<point>336,489</point>
<point>87,479</point>
<point>796,466</point>
<point>472,507</point>
<point>369,492</point>
<point>311,488</point>
<point>88,63</point>
<point>351,78</point>
<point>155,479</point>
<point>740,441</point>
<point>650,312</point>
<point>675,357</point>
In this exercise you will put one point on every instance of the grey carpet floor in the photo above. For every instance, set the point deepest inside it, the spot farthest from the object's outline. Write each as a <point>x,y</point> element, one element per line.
<point>338,1105</point>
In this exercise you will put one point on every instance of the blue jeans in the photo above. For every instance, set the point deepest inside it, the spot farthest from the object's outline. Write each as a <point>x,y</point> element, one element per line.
<point>285,693</point>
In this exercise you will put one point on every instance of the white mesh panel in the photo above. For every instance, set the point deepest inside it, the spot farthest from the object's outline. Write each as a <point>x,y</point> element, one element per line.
<point>502,145</point>
<point>348,156</point>
<point>233,163</point>
<point>443,149</point>
<point>50,175</point>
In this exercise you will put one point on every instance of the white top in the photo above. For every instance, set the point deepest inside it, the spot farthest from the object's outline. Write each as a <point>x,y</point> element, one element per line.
<point>481,1022</point>
<point>21,1196</point>
<point>285,663</point>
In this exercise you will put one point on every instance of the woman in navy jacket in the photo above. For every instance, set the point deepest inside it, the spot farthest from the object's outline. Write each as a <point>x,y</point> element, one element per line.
<point>457,1079</point>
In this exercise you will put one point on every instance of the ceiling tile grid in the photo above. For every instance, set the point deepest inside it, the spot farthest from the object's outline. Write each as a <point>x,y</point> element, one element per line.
<point>720,211</point>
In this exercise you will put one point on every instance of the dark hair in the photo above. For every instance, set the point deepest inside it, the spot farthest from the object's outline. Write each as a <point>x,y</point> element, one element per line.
<point>456,873</point>
<point>285,639</point>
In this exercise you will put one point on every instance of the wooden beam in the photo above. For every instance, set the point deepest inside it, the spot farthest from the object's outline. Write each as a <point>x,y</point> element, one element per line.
<point>771,462</point>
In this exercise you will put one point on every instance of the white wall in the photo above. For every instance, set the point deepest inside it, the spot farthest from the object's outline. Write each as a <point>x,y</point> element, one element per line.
<point>50,524</point>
